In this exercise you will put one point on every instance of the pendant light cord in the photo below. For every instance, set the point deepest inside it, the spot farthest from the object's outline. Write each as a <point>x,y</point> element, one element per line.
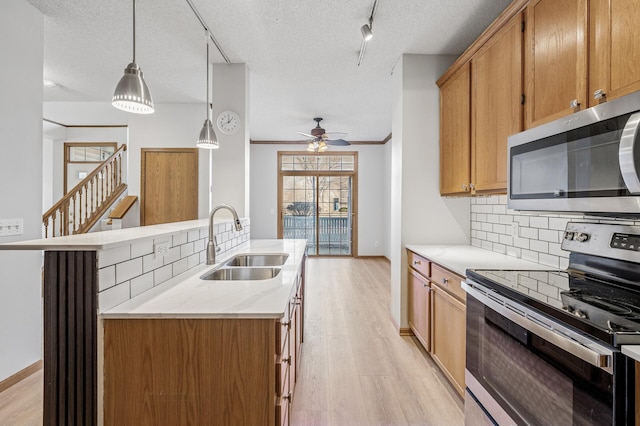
<point>208,109</point>
<point>134,31</point>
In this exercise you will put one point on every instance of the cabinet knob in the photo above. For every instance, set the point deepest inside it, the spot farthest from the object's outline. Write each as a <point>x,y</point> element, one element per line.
<point>464,187</point>
<point>472,186</point>
<point>287,397</point>
<point>287,360</point>
<point>599,94</point>
<point>286,324</point>
<point>574,104</point>
<point>416,262</point>
<point>445,280</point>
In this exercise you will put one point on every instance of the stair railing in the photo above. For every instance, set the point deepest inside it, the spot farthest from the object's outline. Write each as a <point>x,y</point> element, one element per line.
<point>82,206</point>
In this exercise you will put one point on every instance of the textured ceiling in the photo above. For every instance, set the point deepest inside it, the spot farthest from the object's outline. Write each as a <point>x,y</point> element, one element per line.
<point>301,54</point>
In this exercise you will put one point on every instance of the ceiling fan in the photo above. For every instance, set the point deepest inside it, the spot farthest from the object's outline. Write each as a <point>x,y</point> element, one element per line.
<point>320,138</point>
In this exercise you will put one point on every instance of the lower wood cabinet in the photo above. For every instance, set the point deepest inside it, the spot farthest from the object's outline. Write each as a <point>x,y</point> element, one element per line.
<point>437,315</point>
<point>203,371</point>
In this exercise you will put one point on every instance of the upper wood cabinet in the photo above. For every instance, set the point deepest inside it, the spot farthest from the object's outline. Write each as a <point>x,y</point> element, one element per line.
<point>496,105</point>
<point>614,45</point>
<point>556,59</point>
<point>455,135</point>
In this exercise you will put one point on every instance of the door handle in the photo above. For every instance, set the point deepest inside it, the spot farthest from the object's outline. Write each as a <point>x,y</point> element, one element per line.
<point>629,154</point>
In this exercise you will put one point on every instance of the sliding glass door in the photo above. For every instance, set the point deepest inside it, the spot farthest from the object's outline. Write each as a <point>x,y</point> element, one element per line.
<point>316,201</point>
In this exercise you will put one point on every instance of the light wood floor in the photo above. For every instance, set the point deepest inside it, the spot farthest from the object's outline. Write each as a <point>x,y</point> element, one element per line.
<point>355,368</point>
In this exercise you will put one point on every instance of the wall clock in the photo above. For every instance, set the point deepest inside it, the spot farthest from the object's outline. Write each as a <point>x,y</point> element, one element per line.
<point>228,122</point>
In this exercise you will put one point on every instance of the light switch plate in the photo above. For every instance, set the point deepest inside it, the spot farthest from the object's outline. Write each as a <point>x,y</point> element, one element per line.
<point>10,227</point>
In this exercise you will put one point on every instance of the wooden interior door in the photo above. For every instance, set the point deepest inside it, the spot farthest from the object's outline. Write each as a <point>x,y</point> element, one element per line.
<point>556,58</point>
<point>168,185</point>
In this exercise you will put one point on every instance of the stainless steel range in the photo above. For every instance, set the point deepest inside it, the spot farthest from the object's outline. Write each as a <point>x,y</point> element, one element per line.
<point>544,347</point>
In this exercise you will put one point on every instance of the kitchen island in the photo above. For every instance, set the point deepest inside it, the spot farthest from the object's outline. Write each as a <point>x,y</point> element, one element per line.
<point>200,343</point>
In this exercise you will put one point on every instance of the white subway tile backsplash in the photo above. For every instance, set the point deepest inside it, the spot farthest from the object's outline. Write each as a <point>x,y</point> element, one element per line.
<point>529,255</point>
<point>186,250</point>
<point>141,284</point>
<point>179,238</point>
<point>106,278</point>
<point>161,275</point>
<point>193,260</point>
<point>539,246</point>
<point>500,229</point>
<point>551,236</point>
<point>151,262</point>
<point>172,255</point>
<point>193,235</point>
<point>558,223</point>
<point>140,248</point>
<point>513,251</point>
<point>493,237</point>
<point>487,245</point>
<point>499,209</point>
<point>547,259</point>
<point>113,296</point>
<point>179,267</point>
<point>539,222</point>
<point>521,242</point>
<point>531,233</point>
<point>506,240</point>
<point>129,269</point>
<point>114,255</point>
<point>499,248</point>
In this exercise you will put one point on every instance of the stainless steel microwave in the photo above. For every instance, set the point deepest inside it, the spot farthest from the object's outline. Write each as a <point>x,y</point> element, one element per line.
<point>588,162</point>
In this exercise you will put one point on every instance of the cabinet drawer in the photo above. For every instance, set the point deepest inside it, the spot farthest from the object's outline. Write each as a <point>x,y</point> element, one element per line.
<point>448,281</point>
<point>419,263</point>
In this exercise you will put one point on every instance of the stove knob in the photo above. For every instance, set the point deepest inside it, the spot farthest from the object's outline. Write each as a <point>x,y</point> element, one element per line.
<point>568,235</point>
<point>581,237</point>
<point>579,313</point>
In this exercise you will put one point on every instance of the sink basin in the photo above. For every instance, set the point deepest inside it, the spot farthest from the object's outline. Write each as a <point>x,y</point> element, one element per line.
<point>258,260</point>
<point>229,274</point>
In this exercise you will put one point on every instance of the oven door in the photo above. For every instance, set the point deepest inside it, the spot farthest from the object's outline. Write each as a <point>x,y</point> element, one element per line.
<point>520,377</point>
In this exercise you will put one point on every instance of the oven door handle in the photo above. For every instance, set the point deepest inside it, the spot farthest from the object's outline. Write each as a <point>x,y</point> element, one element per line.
<point>629,154</point>
<point>586,349</point>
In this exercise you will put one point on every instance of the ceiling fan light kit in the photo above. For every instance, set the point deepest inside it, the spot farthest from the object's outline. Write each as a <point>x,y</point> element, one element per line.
<point>320,139</point>
<point>132,93</point>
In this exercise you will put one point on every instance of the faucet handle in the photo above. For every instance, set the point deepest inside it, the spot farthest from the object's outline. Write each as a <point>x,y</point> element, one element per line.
<point>215,243</point>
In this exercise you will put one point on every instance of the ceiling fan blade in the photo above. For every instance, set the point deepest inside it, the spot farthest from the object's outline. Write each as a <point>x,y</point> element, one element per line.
<point>306,135</point>
<point>337,142</point>
<point>335,135</point>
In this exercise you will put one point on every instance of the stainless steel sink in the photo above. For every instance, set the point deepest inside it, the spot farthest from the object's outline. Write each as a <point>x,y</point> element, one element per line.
<point>229,274</point>
<point>258,260</point>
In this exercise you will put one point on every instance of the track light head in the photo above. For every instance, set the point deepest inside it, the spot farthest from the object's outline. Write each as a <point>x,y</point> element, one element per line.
<point>366,32</point>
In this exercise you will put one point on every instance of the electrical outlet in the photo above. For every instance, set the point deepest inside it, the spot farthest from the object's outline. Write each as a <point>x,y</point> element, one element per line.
<point>160,249</point>
<point>515,229</point>
<point>10,227</point>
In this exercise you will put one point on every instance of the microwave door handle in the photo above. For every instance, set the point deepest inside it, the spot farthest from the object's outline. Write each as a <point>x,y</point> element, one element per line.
<point>629,154</point>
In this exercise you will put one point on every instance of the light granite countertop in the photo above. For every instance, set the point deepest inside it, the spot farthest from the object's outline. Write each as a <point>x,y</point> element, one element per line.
<point>459,258</point>
<point>188,296</point>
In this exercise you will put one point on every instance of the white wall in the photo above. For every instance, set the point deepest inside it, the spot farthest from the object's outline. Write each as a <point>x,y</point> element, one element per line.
<point>419,215</point>
<point>371,183</point>
<point>21,49</point>
<point>386,196</point>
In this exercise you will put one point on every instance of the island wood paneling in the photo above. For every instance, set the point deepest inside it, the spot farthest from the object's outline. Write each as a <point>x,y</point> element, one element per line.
<point>189,371</point>
<point>70,328</point>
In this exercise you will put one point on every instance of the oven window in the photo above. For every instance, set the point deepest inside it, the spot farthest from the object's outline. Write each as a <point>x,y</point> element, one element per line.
<point>533,381</point>
<point>579,163</point>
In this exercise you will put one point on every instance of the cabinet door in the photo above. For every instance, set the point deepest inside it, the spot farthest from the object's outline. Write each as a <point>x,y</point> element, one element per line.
<point>449,336</point>
<point>455,133</point>
<point>556,59</point>
<point>614,43</point>
<point>496,105</point>
<point>419,301</point>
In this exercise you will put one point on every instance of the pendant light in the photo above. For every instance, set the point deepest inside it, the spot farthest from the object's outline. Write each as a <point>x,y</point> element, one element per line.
<point>132,93</point>
<point>208,138</point>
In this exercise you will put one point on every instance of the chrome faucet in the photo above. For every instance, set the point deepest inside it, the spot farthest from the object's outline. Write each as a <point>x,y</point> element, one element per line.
<point>212,247</point>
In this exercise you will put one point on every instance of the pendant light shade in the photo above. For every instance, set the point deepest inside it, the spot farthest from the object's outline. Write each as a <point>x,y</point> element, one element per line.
<point>132,93</point>
<point>208,138</point>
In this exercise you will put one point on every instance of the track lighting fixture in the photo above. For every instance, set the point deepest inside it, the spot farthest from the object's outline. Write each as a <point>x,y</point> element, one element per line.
<point>132,93</point>
<point>367,32</point>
